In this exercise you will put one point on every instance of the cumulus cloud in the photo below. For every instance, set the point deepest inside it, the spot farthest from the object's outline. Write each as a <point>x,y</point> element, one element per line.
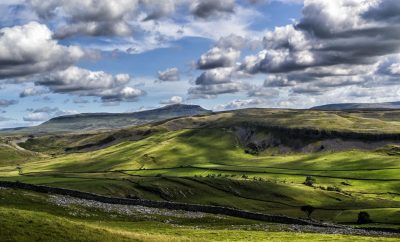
<point>36,117</point>
<point>33,91</point>
<point>136,26</point>
<point>394,69</point>
<point>6,103</point>
<point>213,90</point>
<point>211,8</point>
<point>263,92</point>
<point>239,104</point>
<point>157,9</point>
<point>88,17</point>
<point>217,57</point>
<point>279,81</point>
<point>217,81</point>
<point>215,76</point>
<point>335,43</point>
<point>119,17</point>
<point>46,113</point>
<point>221,75</point>
<point>173,100</point>
<point>169,75</point>
<point>29,49</point>
<point>82,82</point>
<point>238,42</point>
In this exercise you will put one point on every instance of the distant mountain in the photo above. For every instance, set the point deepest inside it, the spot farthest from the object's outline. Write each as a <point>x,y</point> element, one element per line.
<point>96,121</point>
<point>358,106</point>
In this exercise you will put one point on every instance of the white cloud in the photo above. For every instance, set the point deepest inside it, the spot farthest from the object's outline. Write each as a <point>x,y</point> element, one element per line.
<point>334,44</point>
<point>173,100</point>
<point>30,49</point>
<point>217,57</point>
<point>46,113</point>
<point>82,82</point>
<point>169,75</point>
<point>212,8</point>
<point>240,104</point>
<point>33,91</point>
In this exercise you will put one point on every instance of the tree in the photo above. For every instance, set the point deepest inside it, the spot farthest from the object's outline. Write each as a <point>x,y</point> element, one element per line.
<point>363,218</point>
<point>310,181</point>
<point>308,210</point>
<point>19,168</point>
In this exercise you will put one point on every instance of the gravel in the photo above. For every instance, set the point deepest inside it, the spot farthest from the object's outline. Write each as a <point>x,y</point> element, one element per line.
<point>130,210</point>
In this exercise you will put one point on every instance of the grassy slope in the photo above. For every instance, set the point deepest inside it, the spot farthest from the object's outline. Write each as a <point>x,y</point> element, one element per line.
<point>208,166</point>
<point>174,165</point>
<point>375,122</point>
<point>366,122</point>
<point>30,212</point>
<point>11,156</point>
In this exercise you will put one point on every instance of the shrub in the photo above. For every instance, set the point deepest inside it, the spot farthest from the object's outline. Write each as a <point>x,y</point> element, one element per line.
<point>363,218</point>
<point>252,149</point>
<point>307,209</point>
<point>310,181</point>
<point>334,189</point>
<point>19,168</point>
<point>346,183</point>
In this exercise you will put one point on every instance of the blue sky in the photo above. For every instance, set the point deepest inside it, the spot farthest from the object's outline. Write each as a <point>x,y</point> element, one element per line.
<point>66,57</point>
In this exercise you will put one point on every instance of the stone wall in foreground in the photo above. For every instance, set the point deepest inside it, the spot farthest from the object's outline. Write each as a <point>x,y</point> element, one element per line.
<point>160,204</point>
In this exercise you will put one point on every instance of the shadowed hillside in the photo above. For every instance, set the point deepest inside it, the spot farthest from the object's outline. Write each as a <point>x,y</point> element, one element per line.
<point>359,106</point>
<point>98,121</point>
<point>265,160</point>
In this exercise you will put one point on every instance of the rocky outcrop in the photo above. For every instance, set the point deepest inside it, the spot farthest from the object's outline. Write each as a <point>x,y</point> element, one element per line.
<point>258,138</point>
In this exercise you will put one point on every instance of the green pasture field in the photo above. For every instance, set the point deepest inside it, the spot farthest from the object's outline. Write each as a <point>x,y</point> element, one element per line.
<point>209,166</point>
<point>28,216</point>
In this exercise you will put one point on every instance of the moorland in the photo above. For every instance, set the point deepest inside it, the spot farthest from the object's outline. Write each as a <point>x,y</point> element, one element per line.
<point>326,166</point>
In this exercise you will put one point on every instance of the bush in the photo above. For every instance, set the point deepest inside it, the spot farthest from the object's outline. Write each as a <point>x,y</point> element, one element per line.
<point>310,181</point>
<point>346,183</point>
<point>307,209</point>
<point>334,189</point>
<point>252,149</point>
<point>363,218</point>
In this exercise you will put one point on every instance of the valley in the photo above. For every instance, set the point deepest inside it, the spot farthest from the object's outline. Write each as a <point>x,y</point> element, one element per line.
<point>265,161</point>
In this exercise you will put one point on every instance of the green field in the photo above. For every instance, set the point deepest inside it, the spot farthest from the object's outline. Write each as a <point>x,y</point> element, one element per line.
<point>203,160</point>
<point>24,214</point>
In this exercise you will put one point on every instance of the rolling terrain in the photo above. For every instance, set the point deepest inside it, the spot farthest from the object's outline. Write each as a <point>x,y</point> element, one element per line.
<point>263,160</point>
<point>359,106</point>
<point>99,121</point>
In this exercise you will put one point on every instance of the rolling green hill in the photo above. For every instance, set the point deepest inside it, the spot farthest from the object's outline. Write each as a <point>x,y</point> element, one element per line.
<point>255,159</point>
<point>58,218</point>
<point>359,106</point>
<point>98,121</point>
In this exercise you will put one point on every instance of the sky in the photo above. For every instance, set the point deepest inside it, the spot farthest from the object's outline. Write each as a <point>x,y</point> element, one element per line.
<point>61,57</point>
